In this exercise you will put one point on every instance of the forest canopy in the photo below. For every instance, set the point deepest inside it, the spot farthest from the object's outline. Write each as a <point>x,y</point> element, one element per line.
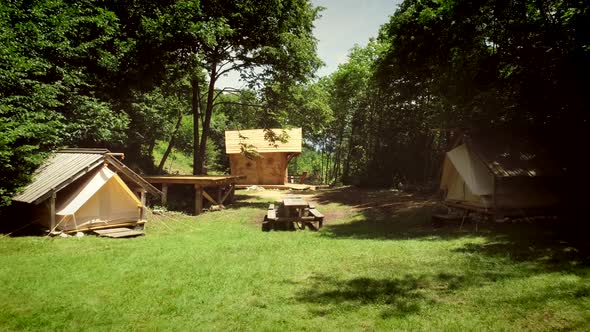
<point>140,77</point>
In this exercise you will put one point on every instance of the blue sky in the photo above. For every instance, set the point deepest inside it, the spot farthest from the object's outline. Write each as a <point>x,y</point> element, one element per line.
<point>343,24</point>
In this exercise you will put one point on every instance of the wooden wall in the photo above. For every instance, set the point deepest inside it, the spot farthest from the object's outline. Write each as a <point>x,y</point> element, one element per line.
<point>270,169</point>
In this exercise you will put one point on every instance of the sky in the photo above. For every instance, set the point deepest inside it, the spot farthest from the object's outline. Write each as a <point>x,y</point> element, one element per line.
<point>343,23</point>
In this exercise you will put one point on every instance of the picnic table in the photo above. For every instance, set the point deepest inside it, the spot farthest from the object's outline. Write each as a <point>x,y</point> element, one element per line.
<point>293,211</point>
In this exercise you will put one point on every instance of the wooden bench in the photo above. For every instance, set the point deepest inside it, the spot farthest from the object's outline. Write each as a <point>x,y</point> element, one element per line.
<point>316,213</point>
<point>294,211</point>
<point>271,214</point>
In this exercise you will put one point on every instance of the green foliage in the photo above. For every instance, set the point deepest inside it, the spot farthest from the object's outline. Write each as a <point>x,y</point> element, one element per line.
<point>309,161</point>
<point>51,54</point>
<point>444,65</point>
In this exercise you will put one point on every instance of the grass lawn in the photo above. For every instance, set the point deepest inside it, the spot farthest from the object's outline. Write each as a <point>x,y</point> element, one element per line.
<point>378,264</point>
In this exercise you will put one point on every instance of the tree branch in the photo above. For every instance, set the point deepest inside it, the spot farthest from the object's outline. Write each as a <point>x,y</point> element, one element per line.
<point>226,89</point>
<point>225,71</point>
<point>237,103</point>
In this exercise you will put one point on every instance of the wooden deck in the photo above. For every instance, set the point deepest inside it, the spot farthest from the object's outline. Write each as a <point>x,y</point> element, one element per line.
<point>222,185</point>
<point>202,180</point>
<point>288,186</point>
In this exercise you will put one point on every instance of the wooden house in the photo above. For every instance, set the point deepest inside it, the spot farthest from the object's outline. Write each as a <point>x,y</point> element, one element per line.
<point>268,164</point>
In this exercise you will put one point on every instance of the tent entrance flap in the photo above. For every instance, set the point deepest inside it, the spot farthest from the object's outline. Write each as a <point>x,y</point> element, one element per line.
<point>475,174</point>
<point>85,192</point>
<point>102,200</point>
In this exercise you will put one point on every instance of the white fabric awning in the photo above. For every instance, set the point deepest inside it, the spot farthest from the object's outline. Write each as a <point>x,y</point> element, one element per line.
<point>85,192</point>
<point>475,174</point>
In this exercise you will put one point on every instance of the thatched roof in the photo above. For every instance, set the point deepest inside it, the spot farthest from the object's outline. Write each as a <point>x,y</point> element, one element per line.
<point>254,139</point>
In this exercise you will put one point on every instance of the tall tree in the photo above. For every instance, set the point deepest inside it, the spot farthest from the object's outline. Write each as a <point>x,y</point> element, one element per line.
<point>50,56</point>
<point>263,40</point>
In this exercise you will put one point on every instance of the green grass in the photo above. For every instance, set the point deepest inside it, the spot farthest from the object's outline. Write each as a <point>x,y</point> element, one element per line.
<point>381,266</point>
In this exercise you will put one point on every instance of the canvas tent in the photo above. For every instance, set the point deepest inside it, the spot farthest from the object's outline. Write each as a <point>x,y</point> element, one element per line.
<point>76,190</point>
<point>501,173</point>
<point>269,165</point>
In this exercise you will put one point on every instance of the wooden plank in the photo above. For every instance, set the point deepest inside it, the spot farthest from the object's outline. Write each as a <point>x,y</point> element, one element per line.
<point>296,218</point>
<point>112,230</point>
<point>129,233</point>
<point>316,213</point>
<point>103,226</point>
<point>294,202</point>
<point>202,180</point>
<point>468,207</point>
<point>271,215</point>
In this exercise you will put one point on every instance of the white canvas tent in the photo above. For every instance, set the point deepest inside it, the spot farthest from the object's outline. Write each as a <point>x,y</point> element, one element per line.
<point>84,189</point>
<point>102,200</point>
<point>494,175</point>
<point>465,178</point>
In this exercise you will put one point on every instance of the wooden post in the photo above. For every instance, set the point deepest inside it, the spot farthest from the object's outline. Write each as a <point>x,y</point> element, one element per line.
<point>52,211</point>
<point>232,195</point>
<point>164,194</point>
<point>198,199</point>
<point>142,209</point>
<point>220,195</point>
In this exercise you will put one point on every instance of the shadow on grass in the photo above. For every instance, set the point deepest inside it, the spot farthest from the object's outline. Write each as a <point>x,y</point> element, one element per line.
<point>400,297</point>
<point>386,215</point>
<point>414,294</point>
<point>555,244</point>
<point>396,297</point>
<point>245,201</point>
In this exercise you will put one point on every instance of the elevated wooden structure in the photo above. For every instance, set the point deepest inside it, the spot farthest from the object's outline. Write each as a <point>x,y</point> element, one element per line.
<point>223,187</point>
<point>260,160</point>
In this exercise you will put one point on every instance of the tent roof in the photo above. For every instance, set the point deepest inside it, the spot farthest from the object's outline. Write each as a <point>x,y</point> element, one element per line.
<point>66,166</point>
<point>508,154</point>
<point>93,185</point>
<point>255,138</point>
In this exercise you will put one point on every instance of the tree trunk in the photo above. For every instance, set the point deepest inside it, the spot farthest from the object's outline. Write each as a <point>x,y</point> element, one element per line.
<point>207,121</point>
<point>170,144</point>
<point>151,148</point>
<point>195,109</point>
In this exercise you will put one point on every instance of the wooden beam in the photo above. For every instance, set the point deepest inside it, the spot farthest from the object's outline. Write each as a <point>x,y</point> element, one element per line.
<point>198,199</point>
<point>220,194</point>
<point>164,194</point>
<point>209,198</point>
<point>229,192</point>
<point>232,195</point>
<point>142,208</point>
<point>201,180</point>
